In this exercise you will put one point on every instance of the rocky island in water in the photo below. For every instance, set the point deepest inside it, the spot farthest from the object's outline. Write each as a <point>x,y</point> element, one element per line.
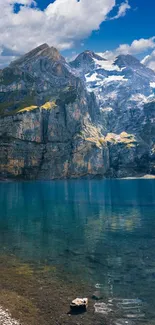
<point>86,118</point>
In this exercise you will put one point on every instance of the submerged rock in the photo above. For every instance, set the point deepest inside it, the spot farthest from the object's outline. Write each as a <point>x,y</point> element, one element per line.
<point>97,295</point>
<point>102,308</point>
<point>99,286</point>
<point>123,322</point>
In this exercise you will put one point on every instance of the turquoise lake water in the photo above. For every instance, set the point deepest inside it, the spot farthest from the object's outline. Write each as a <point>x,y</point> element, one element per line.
<point>101,231</point>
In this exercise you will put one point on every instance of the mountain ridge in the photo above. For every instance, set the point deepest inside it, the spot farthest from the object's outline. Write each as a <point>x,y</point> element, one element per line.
<point>86,118</point>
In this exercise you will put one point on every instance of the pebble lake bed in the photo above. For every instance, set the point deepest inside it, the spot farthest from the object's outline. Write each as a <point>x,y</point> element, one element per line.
<point>67,239</point>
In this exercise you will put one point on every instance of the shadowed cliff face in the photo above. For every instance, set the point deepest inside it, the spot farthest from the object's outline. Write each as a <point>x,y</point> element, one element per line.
<point>51,144</point>
<point>52,127</point>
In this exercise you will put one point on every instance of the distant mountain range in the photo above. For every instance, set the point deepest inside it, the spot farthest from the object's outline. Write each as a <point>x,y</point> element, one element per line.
<point>86,118</point>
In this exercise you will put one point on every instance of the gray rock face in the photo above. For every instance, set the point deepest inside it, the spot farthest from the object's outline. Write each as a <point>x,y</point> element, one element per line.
<point>90,118</point>
<point>34,79</point>
<point>49,144</point>
<point>56,140</point>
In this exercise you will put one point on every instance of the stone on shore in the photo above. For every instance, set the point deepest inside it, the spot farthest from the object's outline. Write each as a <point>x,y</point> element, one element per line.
<point>79,303</point>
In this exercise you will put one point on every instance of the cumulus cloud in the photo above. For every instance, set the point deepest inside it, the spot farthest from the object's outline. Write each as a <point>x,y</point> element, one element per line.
<point>149,60</point>
<point>136,47</point>
<point>61,24</point>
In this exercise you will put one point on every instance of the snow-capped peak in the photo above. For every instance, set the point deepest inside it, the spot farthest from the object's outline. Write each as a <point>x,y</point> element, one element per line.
<point>114,80</point>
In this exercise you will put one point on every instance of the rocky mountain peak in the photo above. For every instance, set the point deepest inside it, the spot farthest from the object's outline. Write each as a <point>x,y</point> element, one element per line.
<point>34,79</point>
<point>42,51</point>
<point>85,62</point>
<point>133,65</point>
<point>30,55</point>
<point>127,61</point>
<point>86,57</point>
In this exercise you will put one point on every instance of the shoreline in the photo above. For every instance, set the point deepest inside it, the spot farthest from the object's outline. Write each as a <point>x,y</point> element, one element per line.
<point>15,180</point>
<point>35,294</point>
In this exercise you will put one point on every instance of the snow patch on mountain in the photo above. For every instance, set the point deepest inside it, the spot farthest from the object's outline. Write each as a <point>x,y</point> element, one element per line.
<point>108,99</point>
<point>112,95</point>
<point>108,65</point>
<point>139,98</point>
<point>92,78</point>
<point>106,109</point>
<point>114,78</point>
<point>96,80</point>
<point>152,84</point>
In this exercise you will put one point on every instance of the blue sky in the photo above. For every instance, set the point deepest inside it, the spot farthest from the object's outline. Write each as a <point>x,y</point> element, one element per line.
<point>138,23</point>
<point>119,26</point>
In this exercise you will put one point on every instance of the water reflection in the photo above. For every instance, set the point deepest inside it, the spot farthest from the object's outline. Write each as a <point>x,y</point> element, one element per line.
<point>101,231</point>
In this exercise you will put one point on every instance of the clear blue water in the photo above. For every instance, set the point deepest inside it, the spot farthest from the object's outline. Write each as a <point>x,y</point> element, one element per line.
<point>101,231</point>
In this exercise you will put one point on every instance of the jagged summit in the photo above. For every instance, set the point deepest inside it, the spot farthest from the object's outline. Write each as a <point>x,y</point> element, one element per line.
<point>125,60</point>
<point>28,56</point>
<point>133,64</point>
<point>85,58</point>
<point>85,62</point>
<point>89,54</point>
<point>43,50</point>
<point>35,78</point>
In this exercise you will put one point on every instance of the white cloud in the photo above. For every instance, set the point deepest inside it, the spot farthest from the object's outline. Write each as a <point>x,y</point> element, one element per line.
<point>61,24</point>
<point>136,47</point>
<point>149,61</point>
<point>122,10</point>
